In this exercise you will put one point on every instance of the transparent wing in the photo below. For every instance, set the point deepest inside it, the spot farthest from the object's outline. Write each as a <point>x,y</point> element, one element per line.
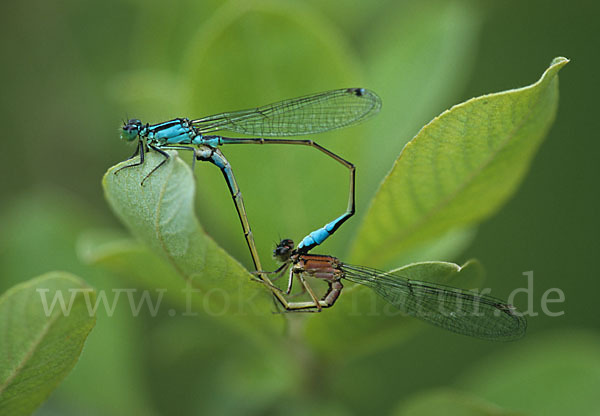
<point>457,310</point>
<point>297,116</point>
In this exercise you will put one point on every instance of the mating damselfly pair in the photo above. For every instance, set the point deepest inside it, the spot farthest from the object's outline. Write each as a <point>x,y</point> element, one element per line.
<point>306,115</point>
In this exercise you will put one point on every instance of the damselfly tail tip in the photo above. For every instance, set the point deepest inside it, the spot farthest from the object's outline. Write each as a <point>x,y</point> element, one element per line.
<point>359,92</point>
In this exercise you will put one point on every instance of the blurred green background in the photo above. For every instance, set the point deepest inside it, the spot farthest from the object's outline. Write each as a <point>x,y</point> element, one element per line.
<point>74,70</point>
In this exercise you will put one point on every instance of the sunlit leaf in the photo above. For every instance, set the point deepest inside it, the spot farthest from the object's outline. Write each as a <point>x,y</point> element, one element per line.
<point>419,57</point>
<point>161,214</point>
<point>459,169</point>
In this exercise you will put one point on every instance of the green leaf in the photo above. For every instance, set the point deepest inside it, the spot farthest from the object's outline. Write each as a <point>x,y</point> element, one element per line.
<point>242,75</point>
<point>45,224</point>
<point>226,362</point>
<point>375,323</point>
<point>404,51</point>
<point>450,403</point>
<point>556,373</point>
<point>133,261</point>
<point>459,169</point>
<point>161,214</point>
<point>41,341</point>
<point>138,265</point>
<point>446,247</point>
<point>114,358</point>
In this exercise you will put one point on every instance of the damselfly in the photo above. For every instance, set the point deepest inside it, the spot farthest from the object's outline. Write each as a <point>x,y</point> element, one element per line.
<point>457,310</point>
<point>311,114</point>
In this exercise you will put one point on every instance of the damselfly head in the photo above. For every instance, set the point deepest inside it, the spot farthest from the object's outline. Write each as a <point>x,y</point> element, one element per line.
<point>131,130</point>
<point>284,250</point>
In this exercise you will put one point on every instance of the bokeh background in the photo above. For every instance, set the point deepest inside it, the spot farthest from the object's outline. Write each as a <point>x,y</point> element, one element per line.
<point>73,71</point>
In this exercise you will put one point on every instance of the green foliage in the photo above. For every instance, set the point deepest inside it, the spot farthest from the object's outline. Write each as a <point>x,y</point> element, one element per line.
<point>459,169</point>
<point>228,64</point>
<point>153,60</point>
<point>42,225</point>
<point>562,363</point>
<point>486,144</point>
<point>375,323</point>
<point>419,60</point>
<point>464,164</point>
<point>451,403</point>
<point>40,344</point>
<point>161,213</point>
<point>46,225</point>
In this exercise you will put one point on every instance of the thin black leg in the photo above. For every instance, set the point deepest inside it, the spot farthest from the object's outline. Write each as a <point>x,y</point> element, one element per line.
<point>162,152</point>
<point>139,149</point>
<point>318,236</point>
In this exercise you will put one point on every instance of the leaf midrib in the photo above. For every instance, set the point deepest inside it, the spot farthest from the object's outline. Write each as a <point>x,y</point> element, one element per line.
<point>30,352</point>
<point>448,199</point>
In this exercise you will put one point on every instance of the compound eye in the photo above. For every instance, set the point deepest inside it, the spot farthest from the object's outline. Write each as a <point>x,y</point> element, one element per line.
<point>284,249</point>
<point>134,123</point>
<point>131,129</point>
